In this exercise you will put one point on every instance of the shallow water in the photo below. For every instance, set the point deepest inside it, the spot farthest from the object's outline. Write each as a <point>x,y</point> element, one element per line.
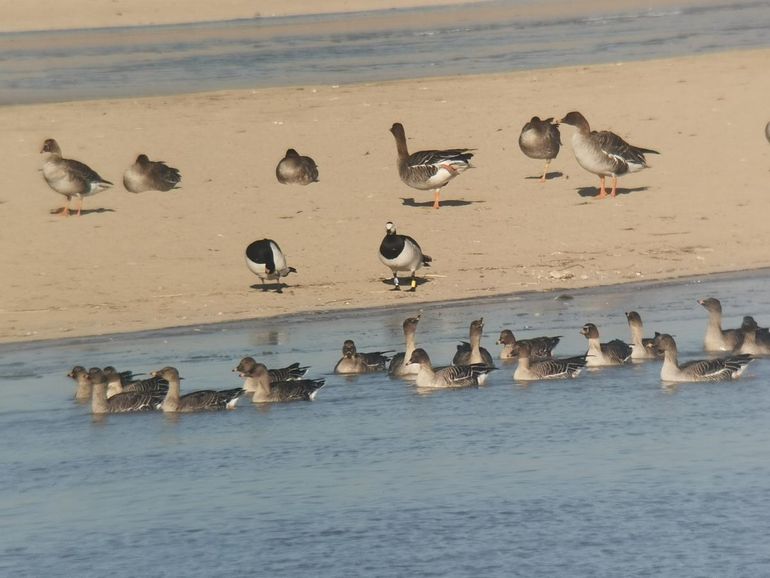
<point>53,66</point>
<point>611,474</point>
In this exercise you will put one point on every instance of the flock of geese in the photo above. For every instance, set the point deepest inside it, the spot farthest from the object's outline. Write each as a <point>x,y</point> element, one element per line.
<point>110,391</point>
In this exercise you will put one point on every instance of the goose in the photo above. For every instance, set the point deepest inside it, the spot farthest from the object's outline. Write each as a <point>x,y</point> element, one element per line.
<point>146,175</point>
<point>533,370</point>
<point>265,259</point>
<point>116,385</point>
<point>207,399</point>
<point>453,376</point>
<point>121,402</point>
<point>69,177</point>
<point>259,382</point>
<point>288,373</point>
<point>756,339</point>
<point>540,347</point>
<point>470,353</point>
<point>604,153</point>
<point>429,170</point>
<point>353,362</point>
<point>295,169</point>
<point>640,345</point>
<point>716,338</point>
<point>399,366</point>
<point>84,389</point>
<point>767,131</point>
<point>401,253</point>
<point>616,352</point>
<point>720,369</point>
<point>540,139</point>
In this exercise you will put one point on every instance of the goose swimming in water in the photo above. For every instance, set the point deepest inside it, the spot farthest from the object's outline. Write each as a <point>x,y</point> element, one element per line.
<point>756,339</point>
<point>203,400</point>
<point>264,388</point>
<point>296,169</point>
<point>121,402</point>
<point>604,153</point>
<point>402,253</point>
<point>353,361</point>
<point>716,338</point>
<point>69,177</point>
<point>288,373</point>
<point>720,369</point>
<point>471,353</point>
<point>265,259</point>
<point>540,139</point>
<point>429,170</point>
<point>399,366</point>
<point>615,352</point>
<point>640,345</point>
<point>453,376</point>
<point>552,368</point>
<point>116,384</point>
<point>539,347</point>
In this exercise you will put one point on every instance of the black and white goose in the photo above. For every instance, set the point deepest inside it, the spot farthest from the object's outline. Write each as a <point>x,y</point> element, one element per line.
<point>146,175</point>
<point>399,365</point>
<point>604,153</point>
<point>429,170</point>
<point>539,347</point>
<point>264,388</point>
<point>266,260</point>
<point>540,139</point>
<point>402,253</point>
<point>203,400</point>
<point>640,345</point>
<point>716,338</point>
<point>69,177</point>
<point>615,352</point>
<point>529,369</point>
<point>294,169</point>
<point>471,353</point>
<point>453,376</point>
<point>354,362</point>
<point>720,369</point>
<point>756,339</point>
<point>122,402</point>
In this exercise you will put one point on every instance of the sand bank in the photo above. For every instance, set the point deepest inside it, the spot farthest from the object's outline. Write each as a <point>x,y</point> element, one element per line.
<point>163,259</point>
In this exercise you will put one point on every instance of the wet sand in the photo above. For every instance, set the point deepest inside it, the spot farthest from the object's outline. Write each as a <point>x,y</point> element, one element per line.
<point>138,262</point>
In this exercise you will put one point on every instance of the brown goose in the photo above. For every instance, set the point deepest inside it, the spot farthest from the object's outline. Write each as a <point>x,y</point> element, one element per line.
<point>288,373</point>
<point>767,131</point>
<point>80,376</point>
<point>203,400</point>
<point>453,376</point>
<point>353,362</point>
<point>470,353</point>
<point>429,170</point>
<point>716,338</point>
<point>399,365</point>
<point>640,345</point>
<point>756,339</point>
<point>146,175</point>
<point>259,382</point>
<point>720,369</point>
<point>604,153</point>
<point>69,177</point>
<point>539,347</point>
<point>121,402</point>
<point>116,384</point>
<point>615,352</point>
<point>551,368</point>
<point>295,169</point>
<point>540,139</point>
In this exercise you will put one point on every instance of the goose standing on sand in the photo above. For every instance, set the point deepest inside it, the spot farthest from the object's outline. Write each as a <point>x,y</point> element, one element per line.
<point>116,384</point>
<point>401,253</point>
<point>399,365</point>
<point>260,383</point>
<point>539,347</point>
<point>615,352</point>
<point>453,376</point>
<point>540,139</point>
<point>294,169</point>
<point>288,373</point>
<point>121,402</point>
<point>429,170</point>
<point>146,175</point>
<point>69,177</point>
<point>203,400</point>
<point>641,346</point>
<point>716,338</point>
<point>353,362</point>
<point>756,339</point>
<point>470,353</point>
<point>265,259</point>
<point>551,368</point>
<point>721,369</point>
<point>604,153</point>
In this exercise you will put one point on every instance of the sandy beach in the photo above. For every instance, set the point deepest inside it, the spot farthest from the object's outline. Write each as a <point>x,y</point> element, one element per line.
<point>136,262</point>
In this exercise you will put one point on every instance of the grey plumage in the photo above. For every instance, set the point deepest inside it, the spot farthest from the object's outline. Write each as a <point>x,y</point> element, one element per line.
<point>353,361</point>
<point>471,353</point>
<point>615,352</point>
<point>122,402</point>
<point>719,369</point>
<point>540,347</point>
<point>470,375</point>
<point>716,338</point>
<point>640,345</point>
<point>264,386</point>
<point>146,175</point>
<point>399,366</point>
<point>540,139</point>
<point>296,169</point>
<point>550,368</point>
<point>756,339</point>
<point>203,400</point>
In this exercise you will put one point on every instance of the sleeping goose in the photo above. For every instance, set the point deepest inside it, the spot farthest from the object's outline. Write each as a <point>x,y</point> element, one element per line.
<point>146,175</point>
<point>116,385</point>
<point>540,139</point>
<point>453,376</point>
<point>203,400</point>
<point>399,366</point>
<point>259,382</point>
<point>716,338</point>
<point>353,362</point>
<point>428,170</point>
<point>604,153</point>
<point>539,347</point>
<point>69,177</point>
<point>296,169</point>
<point>533,370</point>
<point>470,353</point>
<point>121,402</point>
<point>401,253</point>
<point>756,339</point>
<point>640,345</point>
<point>265,259</point>
<point>616,352</point>
<point>719,369</point>
<point>767,131</point>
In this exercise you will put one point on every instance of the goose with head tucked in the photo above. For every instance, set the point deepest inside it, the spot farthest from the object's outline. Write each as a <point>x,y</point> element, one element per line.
<point>399,365</point>
<point>402,253</point>
<point>719,369</point>
<point>203,400</point>
<point>539,347</point>
<point>431,169</point>
<point>470,375</point>
<point>604,153</point>
<point>551,368</point>
<point>69,177</point>
<point>355,362</point>
<point>265,259</point>
<point>146,175</point>
<point>615,352</point>
<point>640,345</point>
<point>265,389</point>
<point>295,169</point>
<point>471,353</point>
<point>716,338</point>
<point>540,139</point>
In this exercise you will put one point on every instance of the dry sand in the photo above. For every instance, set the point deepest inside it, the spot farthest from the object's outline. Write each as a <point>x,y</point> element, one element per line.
<point>164,259</point>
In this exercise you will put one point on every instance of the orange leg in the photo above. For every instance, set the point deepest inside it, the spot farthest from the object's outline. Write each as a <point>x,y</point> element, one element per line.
<point>614,186</point>
<point>545,170</point>
<point>80,205</point>
<point>602,190</point>
<point>437,199</point>
<point>65,211</point>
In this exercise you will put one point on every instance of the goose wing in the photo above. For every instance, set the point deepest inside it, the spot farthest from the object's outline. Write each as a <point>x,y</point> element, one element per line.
<point>298,389</point>
<point>437,158</point>
<point>164,176</point>
<point>557,368</point>
<point>461,375</point>
<point>375,360</point>
<point>148,385</point>
<point>715,369</point>
<point>541,347</point>
<point>615,147</point>
<point>83,172</point>
<point>293,371</point>
<point>134,401</point>
<point>617,350</point>
<point>210,399</point>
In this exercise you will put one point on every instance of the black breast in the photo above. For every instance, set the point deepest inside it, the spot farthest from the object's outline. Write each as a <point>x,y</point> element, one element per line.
<point>392,246</point>
<point>261,252</point>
